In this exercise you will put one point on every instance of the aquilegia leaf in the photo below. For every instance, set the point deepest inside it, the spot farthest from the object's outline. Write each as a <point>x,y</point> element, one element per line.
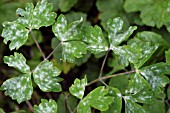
<point>46,106</point>
<point>45,76</point>
<point>78,88</point>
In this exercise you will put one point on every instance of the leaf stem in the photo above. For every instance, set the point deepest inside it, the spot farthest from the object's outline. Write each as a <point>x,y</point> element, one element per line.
<point>101,70</point>
<point>53,51</point>
<point>36,42</point>
<point>67,103</point>
<point>29,105</point>
<point>110,76</point>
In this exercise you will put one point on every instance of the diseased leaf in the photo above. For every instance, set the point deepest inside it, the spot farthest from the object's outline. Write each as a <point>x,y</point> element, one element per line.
<point>18,88</point>
<point>66,32</point>
<point>73,49</point>
<point>132,107</point>
<point>148,42</point>
<point>45,76</point>
<point>70,37</point>
<point>78,88</point>
<point>15,33</point>
<point>17,61</point>
<point>155,75</point>
<point>34,18</point>
<point>139,90</point>
<point>46,106</point>
<point>114,26</point>
<point>95,99</point>
<point>116,105</point>
<point>95,40</point>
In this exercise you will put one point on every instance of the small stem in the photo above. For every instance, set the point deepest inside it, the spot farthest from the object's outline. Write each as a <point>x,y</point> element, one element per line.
<point>101,70</point>
<point>107,77</point>
<point>36,42</point>
<point>29,105</point>
<point>53,51</point>
<point>67,103</point>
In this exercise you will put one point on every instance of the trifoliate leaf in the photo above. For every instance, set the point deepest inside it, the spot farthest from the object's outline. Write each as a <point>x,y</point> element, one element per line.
<point>148,42</point>
<point>45,76</point>
<point>78,88</point>
<point>46,106</point>
<point>66,32</point>
<point>95,40</point>
<point>167,55</point>
<point>34,18</point>
<point>139,90</point>
<point>95,99</point>
<point>153,13</point>
<point>127,54</point>
<point>132,107</point>
<point>18,88</point>
<point>154,74</point>
<point>111,9</point>
<point>116,105</point>
<point>114,26</point>
<point>73,49</point>
<point>65,5</point>
<point>17,61</point>
<point>15,33</point>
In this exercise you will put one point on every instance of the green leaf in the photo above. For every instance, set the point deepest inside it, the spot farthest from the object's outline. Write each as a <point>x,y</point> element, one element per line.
<point>153,12</point>
<point>111,9</point>
<point>65,5</point>
<point>73,49</point>
<point>78,88</point>
<point>34,18</point>
<point>15,33</point>
<point>45,76</point>
<point>46,106</point>
<point>116,105</point>
<point>148,42</point>
<point>157,106</point>
<point>1,110</point>
<point>139,90</point>
<point>114,26</point>
<point>17,61</point>
<point>18,88</point>
<point>95,40</point>
<point>127,54</point>
<point>132,107</point>
<point>95,99</point>
<point>167,55</point>
<point>155,75</point>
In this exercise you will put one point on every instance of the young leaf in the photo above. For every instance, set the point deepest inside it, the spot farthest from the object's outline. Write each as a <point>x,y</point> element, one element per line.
<point>95,99</point>
<point>78,88</point>
<point>45,76</point>
<point>114,26</point>
<point>17,61</point>
<point>95,40</point>
<point>116,105</point>
<point>46,106</point>
<point>70,37</point>
<point>18,88</point>
<point>154,74</point>
<point>34,18</point>
<point>15,33</point>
